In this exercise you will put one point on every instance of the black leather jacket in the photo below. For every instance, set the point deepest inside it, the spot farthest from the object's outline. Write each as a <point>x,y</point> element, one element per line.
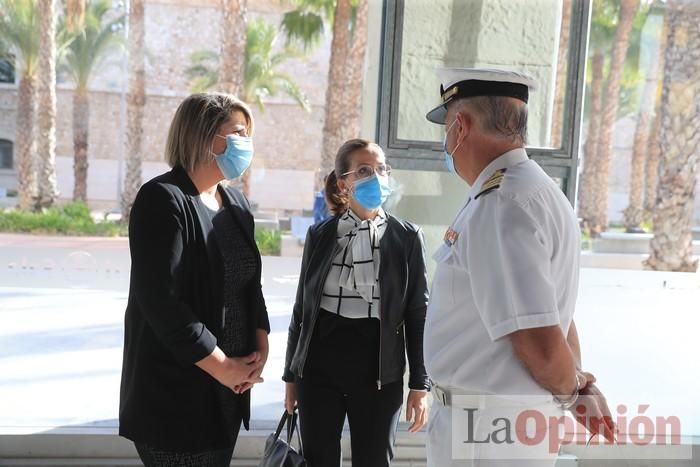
<point>404,290</point>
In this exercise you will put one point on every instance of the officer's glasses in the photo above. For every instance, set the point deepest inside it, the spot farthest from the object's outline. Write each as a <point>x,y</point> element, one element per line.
<point>366,171</point>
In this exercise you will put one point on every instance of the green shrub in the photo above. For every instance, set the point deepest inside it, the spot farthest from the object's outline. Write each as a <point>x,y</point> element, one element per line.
<point>70,219</point>
<point>269,241</point>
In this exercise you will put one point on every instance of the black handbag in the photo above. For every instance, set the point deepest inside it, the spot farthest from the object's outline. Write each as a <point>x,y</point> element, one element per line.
<point>280,453</point>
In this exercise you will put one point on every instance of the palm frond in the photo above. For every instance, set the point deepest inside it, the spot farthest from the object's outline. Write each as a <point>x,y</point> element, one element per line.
<point>261,78</point>
<point>92,44</point>
<point>292,89</point>
<point>303,27</point>
<point>203,73</point>
<point>19,33</point>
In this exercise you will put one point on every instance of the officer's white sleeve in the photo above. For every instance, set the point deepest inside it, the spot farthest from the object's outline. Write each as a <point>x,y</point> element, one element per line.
<point>508,254</point>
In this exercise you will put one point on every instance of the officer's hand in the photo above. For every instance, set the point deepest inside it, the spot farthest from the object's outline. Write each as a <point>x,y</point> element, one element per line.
<point>588,377</point>
<point>592,408</point>
<point>417,409</point>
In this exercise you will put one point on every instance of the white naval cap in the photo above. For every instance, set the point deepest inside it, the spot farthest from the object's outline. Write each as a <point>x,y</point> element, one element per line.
<point>458,83</point>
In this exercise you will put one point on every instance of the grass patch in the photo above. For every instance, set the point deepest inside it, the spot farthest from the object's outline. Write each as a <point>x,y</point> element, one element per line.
<point>74,219</point>
<point>269,241</point>
<point>586,241</point>
<point>70,219</point>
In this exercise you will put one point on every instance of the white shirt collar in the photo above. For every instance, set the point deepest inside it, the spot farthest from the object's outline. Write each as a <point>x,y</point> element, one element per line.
<point>504,161</point>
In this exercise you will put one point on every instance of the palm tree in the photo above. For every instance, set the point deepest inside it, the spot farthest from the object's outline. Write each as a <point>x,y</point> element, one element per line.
<point>634,213</point>
<point>75,14</point>
<point>136,101</point>
<point>46,94</point>
<point>81,59</point>
<point>344,92</point>
<point>19,33</point>
<point>233,30</point>
<point>603,26</point>
<point>261,77</point>
<point>651,170</point>
<point>671,247</point>
<point>560,86</point>
<point>598,221</point>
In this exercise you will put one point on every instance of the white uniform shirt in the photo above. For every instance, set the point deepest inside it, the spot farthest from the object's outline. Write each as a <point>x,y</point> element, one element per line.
<point>509,262</point>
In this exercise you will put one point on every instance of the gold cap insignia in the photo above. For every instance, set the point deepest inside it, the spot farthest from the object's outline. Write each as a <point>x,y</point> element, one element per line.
<point>446,95</point>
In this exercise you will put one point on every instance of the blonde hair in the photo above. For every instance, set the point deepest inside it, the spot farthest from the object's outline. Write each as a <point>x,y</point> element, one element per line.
<point>194,125</point>
<point>337,201</point>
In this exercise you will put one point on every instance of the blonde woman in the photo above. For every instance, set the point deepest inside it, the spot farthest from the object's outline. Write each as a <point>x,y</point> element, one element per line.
<point>196,324</point>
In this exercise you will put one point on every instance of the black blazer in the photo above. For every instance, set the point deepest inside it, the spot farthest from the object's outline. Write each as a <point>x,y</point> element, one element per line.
<point>404,287</point>
<point>173,317</point>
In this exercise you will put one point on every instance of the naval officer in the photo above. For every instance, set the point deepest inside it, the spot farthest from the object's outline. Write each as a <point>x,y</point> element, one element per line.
<point>500,321</point>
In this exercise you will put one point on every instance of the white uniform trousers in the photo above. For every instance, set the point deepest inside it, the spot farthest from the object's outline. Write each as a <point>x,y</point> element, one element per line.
<point>441,442</point>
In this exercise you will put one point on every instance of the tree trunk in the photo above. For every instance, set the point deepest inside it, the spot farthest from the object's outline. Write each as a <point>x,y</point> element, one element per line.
<point>560,86</point>
<point>585,189</point>
<point>75,14</point>
<point>136,101</point>
<point>652,164</point>
<point>232,69</point>
<point>46,96</point>
<point>355,69</point>
<point>335,110</point>
<point>634,213</point>
<point>81,122</point>
<point>671,247</point>
<point>25,144</point>
<point>652,169</point>
<point>599,215</point>
<point>233,32</point>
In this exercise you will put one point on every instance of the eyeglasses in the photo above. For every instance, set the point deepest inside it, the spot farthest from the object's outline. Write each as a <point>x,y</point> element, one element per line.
<point>366,171</point>
<point>237,132</point>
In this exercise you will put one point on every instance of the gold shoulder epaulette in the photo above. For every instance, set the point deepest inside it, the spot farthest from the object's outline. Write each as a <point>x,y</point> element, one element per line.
<point>492,183</point>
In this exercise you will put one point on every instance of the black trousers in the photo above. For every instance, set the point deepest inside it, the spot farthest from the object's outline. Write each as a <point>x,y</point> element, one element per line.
<point>340,382</point>
<point>372,415</point>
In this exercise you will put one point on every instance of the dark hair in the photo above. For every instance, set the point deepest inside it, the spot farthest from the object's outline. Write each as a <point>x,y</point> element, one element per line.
<point>337,201</point>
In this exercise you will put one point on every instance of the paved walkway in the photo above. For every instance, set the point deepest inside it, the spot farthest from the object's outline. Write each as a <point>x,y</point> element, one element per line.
<point>62,304</point>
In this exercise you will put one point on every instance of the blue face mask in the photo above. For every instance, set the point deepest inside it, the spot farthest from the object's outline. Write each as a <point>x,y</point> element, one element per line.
<point>372,192</point>
<point>237,156</point>
<point>449,159</point>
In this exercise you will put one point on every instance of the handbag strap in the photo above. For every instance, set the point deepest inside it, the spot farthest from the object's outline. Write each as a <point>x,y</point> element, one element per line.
<point>291,428</point>
<point>291,424</point>
<point>285,418</point>
<point>296,427</point>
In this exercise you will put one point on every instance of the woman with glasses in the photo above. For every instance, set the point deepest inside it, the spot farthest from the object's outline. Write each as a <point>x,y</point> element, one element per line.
<point>196,324</point>
<point>360,309</point>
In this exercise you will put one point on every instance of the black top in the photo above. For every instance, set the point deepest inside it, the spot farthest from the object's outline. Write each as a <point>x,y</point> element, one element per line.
<point>403,282</point>
<point>174,318</point>
<point>234,260</point>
